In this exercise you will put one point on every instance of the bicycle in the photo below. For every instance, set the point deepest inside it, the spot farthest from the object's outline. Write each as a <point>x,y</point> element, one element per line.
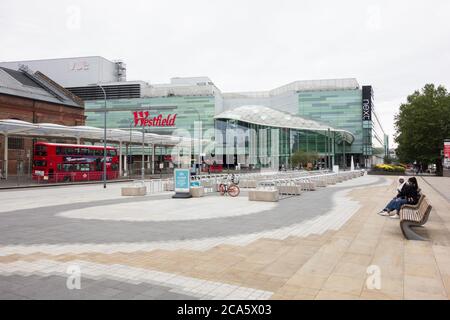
<point>231,188</point>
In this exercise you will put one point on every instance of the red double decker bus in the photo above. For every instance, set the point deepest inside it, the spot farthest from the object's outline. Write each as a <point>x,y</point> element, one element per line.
<point>55,162</point>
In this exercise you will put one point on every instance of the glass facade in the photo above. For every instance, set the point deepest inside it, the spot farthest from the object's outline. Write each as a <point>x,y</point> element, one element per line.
<point>120,112</point>
<point>341,109</point>
<point>260,146</point>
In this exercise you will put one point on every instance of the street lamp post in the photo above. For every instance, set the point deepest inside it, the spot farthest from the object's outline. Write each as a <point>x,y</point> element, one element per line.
<point>143,151</point>
<point>199,142</point>
<point>104,138</point>
<point>130,169</point>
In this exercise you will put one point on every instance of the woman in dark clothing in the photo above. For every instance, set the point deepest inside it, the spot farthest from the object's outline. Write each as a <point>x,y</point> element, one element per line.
<point>408,195</point>
<point>401,184</point>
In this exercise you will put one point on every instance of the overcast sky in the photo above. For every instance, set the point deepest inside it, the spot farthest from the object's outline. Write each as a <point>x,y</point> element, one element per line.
<point>396,46</point>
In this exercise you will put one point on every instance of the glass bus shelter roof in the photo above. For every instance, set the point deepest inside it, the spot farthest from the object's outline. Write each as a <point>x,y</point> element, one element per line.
<point>22,128</point>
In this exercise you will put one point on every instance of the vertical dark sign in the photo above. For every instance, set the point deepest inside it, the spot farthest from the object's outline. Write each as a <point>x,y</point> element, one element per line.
<point>367,103</point>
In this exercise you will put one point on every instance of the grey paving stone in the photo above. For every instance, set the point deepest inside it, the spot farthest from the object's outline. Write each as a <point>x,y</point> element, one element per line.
<point>15,225</point>
<point>54,288</point>
<point>11,296</point>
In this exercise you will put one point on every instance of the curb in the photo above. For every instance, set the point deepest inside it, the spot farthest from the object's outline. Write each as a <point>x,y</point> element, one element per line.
<point>63,184</point>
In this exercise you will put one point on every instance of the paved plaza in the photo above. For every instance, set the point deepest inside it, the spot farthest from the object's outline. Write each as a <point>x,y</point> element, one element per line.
<point>319,245</point>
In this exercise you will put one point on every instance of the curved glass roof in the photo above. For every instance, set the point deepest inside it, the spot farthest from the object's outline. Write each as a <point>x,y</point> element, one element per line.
<point>23,128</point>
<point>265,116</point>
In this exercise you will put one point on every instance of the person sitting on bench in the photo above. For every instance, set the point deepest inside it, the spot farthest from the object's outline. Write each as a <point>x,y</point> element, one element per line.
<point>401,183</point>
<point>408,195</point>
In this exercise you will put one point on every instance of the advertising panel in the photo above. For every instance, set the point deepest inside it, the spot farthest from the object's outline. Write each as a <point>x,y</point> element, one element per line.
<point>447,154</point>
<point>182,181</point>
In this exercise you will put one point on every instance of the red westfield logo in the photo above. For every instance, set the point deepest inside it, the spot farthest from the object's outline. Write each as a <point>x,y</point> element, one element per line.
<point>143,119</point>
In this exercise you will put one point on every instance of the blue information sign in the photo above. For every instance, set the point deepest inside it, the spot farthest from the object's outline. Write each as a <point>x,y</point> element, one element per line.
<point>182,180</point>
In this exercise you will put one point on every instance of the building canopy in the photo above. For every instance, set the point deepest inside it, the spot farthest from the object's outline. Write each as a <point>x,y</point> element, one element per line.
<point>264,116</point>
<point>22,128</point>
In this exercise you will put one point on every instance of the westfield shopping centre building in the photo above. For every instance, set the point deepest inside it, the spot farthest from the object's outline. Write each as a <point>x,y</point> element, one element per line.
<point>335,118</point>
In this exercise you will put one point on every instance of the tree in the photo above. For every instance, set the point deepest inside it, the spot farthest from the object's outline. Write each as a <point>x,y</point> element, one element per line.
<point>387,160</point>
<point>301,158</point>
<point>422,125</point>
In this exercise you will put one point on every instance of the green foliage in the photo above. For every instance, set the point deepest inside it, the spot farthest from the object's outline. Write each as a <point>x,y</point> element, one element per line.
<point>301,158</point>
<point>387,160</point>
<point>422,125</point>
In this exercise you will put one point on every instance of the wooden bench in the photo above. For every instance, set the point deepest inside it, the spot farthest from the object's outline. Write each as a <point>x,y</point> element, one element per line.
<point>414,216</point>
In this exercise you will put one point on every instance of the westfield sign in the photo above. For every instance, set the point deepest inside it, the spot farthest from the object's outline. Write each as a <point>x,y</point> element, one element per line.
<point>144,119</point>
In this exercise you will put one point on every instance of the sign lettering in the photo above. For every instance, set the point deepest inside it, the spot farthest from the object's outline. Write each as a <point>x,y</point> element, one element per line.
<point>366,103</point>
<point>144,119</point>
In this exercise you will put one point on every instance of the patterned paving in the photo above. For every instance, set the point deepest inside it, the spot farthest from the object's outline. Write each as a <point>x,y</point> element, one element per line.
<point>315,246</point>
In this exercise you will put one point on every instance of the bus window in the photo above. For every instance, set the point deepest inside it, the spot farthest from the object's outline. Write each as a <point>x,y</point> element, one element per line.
<point>67,167</point>
<point>76,150</point>
<point>84,151</point>
<point>98,164</point>
<point>98,152</point>
<point>40,150</point>
<point>68,151</point>
<point>40,163</point>
<point>112,153</point>
<point>59,151</point>
<point>84,167</point>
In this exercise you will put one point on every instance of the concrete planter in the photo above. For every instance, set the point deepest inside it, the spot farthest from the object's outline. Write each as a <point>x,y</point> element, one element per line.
<point>197,192</point>
<point>134,191</point>
<point>296,190</point>
<point>264,195</point>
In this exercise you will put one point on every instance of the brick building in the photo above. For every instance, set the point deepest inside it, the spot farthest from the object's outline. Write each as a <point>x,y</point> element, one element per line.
<point>33,97</point>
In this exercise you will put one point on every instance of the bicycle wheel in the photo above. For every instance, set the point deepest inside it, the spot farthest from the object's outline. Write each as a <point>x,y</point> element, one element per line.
<point>234,191</point>
<point>222,189</point>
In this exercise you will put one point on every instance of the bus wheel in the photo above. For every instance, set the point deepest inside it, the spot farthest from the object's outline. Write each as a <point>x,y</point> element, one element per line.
<point>67,179</point>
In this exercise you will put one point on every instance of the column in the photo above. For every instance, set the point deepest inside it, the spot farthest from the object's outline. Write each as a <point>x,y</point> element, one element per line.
<point>120,158</point>
<point>125,160</point>
<point>153,158</point>
<point>5,174</point>
<point>333,148</point>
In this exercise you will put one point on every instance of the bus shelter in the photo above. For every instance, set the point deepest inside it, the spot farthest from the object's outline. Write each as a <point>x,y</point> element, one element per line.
<point>18,128</point>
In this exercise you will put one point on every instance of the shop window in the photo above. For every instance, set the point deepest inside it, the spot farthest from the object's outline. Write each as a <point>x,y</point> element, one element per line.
<point>15,143</point>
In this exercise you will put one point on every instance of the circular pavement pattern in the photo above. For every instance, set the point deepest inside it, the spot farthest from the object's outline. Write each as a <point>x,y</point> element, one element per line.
<point>177,210</point>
